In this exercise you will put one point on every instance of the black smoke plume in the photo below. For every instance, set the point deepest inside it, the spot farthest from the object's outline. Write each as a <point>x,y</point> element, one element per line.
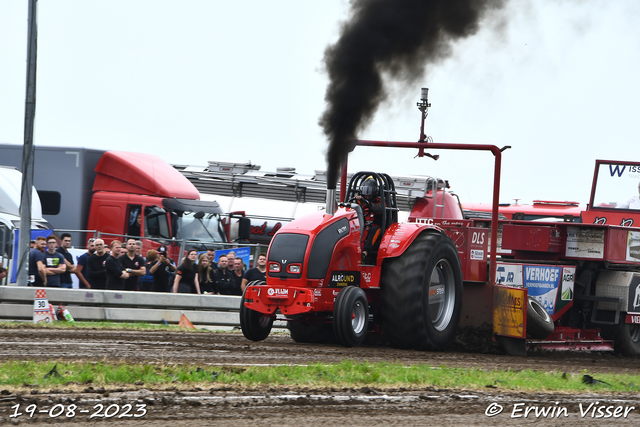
<point>395,38</point>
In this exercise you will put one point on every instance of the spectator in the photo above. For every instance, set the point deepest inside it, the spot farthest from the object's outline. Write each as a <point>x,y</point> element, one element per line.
<point>257,273</point>
<point>96,266</point>
<point>37,271</point>
<point>32,244</point>
<point>238,274</point>
<point>65,278</point>
<point>3,271</point>
<point>81,269</point>
<point>231,257</point>
<point>54,263</point>
<point>205,274</point>
<point>133,264</point>
<point>224,284</point>
<point>139,249</point>
<point>186,281</point>
<point>115,272</point>
<point>146,282</point>
<point>135,226</point>
<point>161,271</point>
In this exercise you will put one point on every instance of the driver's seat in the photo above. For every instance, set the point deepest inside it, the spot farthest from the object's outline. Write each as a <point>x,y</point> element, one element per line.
<point>387,194</point>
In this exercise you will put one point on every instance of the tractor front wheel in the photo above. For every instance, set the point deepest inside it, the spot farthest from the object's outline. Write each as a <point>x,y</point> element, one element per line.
<point>255,326</point>
<point>351,316</point>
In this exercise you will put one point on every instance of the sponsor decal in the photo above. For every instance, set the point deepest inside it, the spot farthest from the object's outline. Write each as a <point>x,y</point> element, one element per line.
<point>317,292</point>
<point>568,279</point>
<point>542,283</point>
<point>477,238</point>
<point>436,294</point>
<point>585,243</point>
<point>626,222</point>
<point>340,279</point>
<point>342,229</point>
<point>509,274</point>
<point>634,294</point>
<point>633,246</point>
<point>477,254</point>
<point>277,292</point>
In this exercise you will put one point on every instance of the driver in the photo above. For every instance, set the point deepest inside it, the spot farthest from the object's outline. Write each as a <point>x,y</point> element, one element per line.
<point>632,203</point>
<point>369,199</point>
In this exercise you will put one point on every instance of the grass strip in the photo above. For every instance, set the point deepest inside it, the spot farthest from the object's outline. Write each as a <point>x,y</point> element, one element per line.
<point>20,374</point>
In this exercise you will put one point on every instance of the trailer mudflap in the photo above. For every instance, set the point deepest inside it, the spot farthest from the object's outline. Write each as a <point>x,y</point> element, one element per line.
<point>266,299</point>
<point>510,311</point>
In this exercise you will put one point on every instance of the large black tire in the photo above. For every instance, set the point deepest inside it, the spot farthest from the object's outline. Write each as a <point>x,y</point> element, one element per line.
<point>422,294</point>
<point>539,323</point>
<point>626,339</point>
<point>351,316</point>
<point>255,326</point>
<point>305,332</point>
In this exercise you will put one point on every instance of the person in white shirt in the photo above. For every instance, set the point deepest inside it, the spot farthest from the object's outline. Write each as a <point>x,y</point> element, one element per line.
<point>632,203</point>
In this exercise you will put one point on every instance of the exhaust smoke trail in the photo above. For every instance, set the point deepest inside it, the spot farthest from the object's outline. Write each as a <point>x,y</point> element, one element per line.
<point>398,38</point>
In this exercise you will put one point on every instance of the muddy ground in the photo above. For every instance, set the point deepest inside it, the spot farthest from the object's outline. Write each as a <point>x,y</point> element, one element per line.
<point>296,406</point>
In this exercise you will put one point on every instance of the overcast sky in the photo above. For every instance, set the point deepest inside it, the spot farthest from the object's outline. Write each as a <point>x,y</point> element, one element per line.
<point>243,81</point>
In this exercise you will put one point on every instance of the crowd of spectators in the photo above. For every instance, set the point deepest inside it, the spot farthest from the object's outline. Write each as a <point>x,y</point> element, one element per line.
<point>123,268</point>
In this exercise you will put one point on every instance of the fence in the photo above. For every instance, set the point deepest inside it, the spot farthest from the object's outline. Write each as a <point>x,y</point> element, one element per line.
<point>99,305</point>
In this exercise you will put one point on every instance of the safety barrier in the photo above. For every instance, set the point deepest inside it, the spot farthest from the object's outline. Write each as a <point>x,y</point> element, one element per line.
<point>99,305</point>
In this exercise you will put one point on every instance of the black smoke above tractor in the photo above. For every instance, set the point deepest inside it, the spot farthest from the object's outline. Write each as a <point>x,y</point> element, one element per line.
<point>395,38</point>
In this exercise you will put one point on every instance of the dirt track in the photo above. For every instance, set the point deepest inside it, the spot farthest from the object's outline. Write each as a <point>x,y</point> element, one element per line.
<point>295,406</point>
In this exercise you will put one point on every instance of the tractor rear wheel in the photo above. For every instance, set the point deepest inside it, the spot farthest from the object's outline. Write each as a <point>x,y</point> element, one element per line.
<point>351,316</point>
<point>422,294</point>
<point>626,339</point>
<point>255,326</point>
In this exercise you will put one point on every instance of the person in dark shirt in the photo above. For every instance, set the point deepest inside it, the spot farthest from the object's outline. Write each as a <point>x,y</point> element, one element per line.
<point>81,270</point>
<point>224,283</point>
<point>116,274</point>
<point>146,281</point>
<point>65,278</point>
<point>257,273</point>
<point>54,263</point>
<point>205,274</point>
<point>133,264</point>
<point>186,281</point>
<point>161,271</point>
<point>238,275</point>
<point>96,266</point>
<point>37,273</point>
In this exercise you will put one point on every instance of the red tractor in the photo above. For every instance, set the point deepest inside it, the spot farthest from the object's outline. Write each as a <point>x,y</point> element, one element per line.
<point>410,287</point>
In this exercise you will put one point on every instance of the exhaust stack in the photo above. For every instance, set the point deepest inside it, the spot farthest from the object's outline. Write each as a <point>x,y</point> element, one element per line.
<point>330,208</point>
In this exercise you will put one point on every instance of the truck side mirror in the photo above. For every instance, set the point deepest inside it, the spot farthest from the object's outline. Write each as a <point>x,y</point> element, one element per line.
<point>244,228</point>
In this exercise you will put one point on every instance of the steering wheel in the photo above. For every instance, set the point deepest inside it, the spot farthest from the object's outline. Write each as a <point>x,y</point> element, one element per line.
<point>364,203</point>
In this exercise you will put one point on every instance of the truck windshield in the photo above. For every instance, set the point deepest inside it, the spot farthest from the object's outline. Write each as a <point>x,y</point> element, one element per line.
<point>206,228</point>
<point>617,186</point>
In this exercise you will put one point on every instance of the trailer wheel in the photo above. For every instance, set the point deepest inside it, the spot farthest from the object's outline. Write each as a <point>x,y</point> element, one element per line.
<point>539,323</point>
<point>626,339</point>
<point>422,294</point>
<point>255,326</point>
<point>351,316</point>
<point>304,332</point>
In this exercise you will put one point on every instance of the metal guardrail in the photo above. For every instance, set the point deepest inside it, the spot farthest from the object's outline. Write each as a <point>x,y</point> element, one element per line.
<point>118,306</point>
